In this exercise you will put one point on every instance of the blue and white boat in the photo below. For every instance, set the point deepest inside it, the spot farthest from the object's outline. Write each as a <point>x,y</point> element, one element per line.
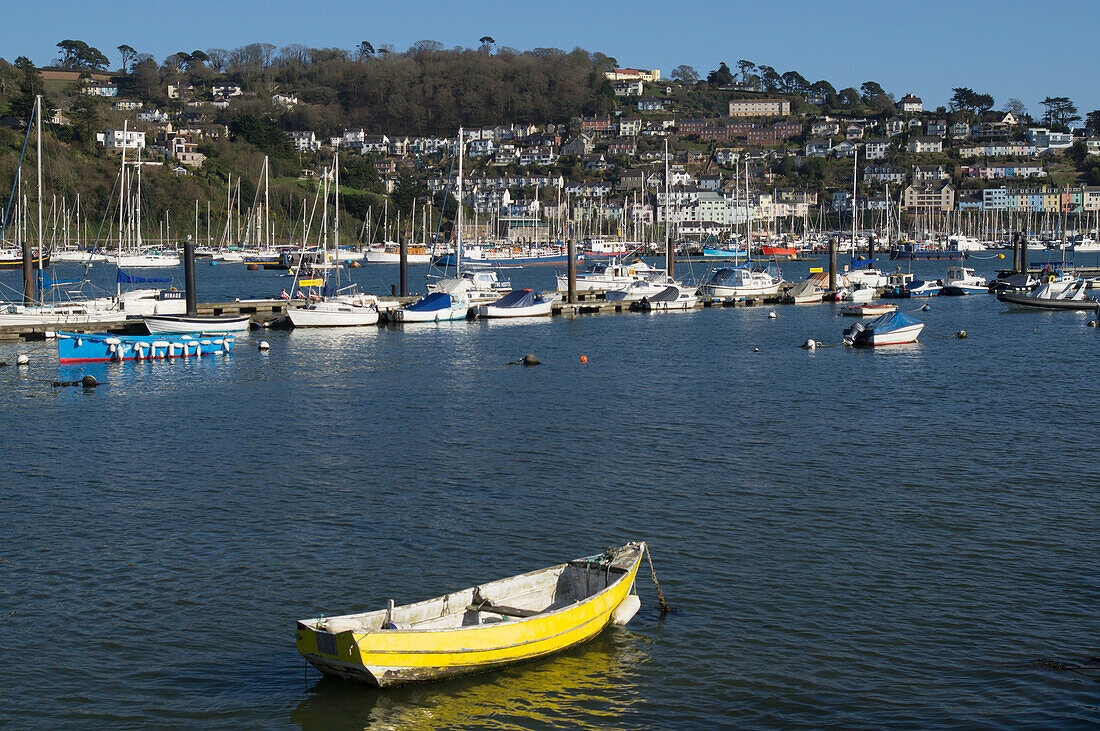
<point>894,328</point>
<point>961,281</point>
<point>921,288</point>
<point>103,347</point>
<point>725,252</point>
<point>435,307</point>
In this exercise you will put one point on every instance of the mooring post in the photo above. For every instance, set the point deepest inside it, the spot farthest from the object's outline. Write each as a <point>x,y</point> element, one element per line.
<point>1023,253</point>
<point>832,264</point>
<point>404,286</point>
<point>571,251</point>
<point>870,250</point>
<point>189,275</point>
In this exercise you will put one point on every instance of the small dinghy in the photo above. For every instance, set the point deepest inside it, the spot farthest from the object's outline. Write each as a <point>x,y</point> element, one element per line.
<point>185,324</point>
<point>670,298</point>
<point>435,307</point>
<point>921,288</point>
<point>894,328</point>
<point>867,310</point>
<point>102,347</point>
<point>481,628</point>
<point>1053,295</point>
<point>517,303</point>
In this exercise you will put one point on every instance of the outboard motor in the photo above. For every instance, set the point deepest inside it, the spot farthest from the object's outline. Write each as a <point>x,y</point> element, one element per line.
<point>852,332</point>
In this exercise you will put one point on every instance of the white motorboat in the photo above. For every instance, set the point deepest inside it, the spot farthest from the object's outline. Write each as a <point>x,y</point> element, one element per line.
<point>196,324</point>
<point>641,288</point>
<point>859,294</point>
<point>434,307</point>
<point>517,303</point>
<point>61,313</point>
<point>892,328</point>
<point>865,278</point>
<point>726,282</point>
<point>608,275</point>
<point>477,285</point>
<point>962,281</point>
<point>673,297</point>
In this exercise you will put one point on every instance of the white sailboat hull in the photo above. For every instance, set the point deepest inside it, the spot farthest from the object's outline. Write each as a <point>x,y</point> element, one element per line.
<point>385,257</point>
<point>324,314</point>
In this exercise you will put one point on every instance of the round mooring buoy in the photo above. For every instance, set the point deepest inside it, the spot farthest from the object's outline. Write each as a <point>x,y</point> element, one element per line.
<point>22,359</point>
<point>772,315</point>
<point>810,345</point>
<point>264,345</point>
<point>961,334</point>
<point>89,382</point>
<point>926,308</point>
<point>584,359</point>
<point>1091,323</point>
<point>253,267</point>
<point>530,360</point>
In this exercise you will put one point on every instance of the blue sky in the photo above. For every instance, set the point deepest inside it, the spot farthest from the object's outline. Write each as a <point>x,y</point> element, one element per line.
<point>1007,48</point>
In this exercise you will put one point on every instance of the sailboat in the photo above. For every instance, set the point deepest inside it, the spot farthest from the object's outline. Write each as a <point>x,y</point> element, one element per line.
<point>346,307</point>
<point>132,253</point>
<point>450,300</point>
<point>660,282</point>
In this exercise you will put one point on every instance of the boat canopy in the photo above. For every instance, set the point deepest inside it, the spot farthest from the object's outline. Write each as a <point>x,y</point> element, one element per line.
<point>892,321</point>
<point>668,294</point>
<point>124,278</point>
<point>519,298</point>
<point>431,303</point>
<point>805,287</point>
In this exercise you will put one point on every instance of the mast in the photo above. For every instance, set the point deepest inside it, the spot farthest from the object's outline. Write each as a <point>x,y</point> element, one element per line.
<point>458,218</point>
<point>670,258</point>
<point>267,208</point>
<point>336,218</point>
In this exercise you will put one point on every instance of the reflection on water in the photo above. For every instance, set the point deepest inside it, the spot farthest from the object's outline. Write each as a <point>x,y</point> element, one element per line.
<point>586,687</point>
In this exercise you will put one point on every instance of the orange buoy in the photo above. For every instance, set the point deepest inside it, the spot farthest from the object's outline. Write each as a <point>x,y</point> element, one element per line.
<point>584,359</point>
<point>253,267</point>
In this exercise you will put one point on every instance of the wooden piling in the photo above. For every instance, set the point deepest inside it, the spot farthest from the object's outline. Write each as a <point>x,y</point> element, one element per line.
<point>403,288</point>
<point>832,264</point>
<point>189,275</point>
<point>572,269</point>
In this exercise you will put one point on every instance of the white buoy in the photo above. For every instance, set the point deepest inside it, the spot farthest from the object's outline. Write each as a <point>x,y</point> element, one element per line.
<point>772,315</point>
<point>264,345</point>
<point>22,359</point>
<point>810,345</point>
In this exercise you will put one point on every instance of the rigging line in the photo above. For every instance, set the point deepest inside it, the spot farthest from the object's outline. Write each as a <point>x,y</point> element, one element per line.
<point>18,173</point>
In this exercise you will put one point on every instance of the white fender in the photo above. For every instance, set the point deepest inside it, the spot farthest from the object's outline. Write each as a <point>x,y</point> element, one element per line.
<point>626,610</point>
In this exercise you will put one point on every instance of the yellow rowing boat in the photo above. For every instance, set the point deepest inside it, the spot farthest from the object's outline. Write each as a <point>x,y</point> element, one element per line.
<point>481,628</point>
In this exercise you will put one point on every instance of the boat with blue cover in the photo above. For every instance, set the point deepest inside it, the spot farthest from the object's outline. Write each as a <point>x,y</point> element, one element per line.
<point>435,307</point>
<point>894,328</point>
<point>104,347</point>
<point>517,303</point>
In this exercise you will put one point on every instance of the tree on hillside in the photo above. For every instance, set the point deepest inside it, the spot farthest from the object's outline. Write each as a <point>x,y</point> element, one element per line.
<point>795,82</point>
<point>848,98</point>
<point>1061,112</point>
<point>1016,108</point>
<point>769,77</point>
<point>685,74</point>
<point>746,68</point>
<point>869,90</point>
<point>129,55</point>
<point>1092,123</point>
<point>487,43</point>
<point>86,120</point>
<point>79,55</point>
<point>363,50</point>
<point>721,76</point>
<point>30,86</point>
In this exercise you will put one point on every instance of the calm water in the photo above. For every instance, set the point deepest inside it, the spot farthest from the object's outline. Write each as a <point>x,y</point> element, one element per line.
<point>852,538</point>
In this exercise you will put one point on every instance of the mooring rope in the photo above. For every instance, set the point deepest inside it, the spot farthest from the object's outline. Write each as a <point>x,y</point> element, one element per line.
<point>665,606</point>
